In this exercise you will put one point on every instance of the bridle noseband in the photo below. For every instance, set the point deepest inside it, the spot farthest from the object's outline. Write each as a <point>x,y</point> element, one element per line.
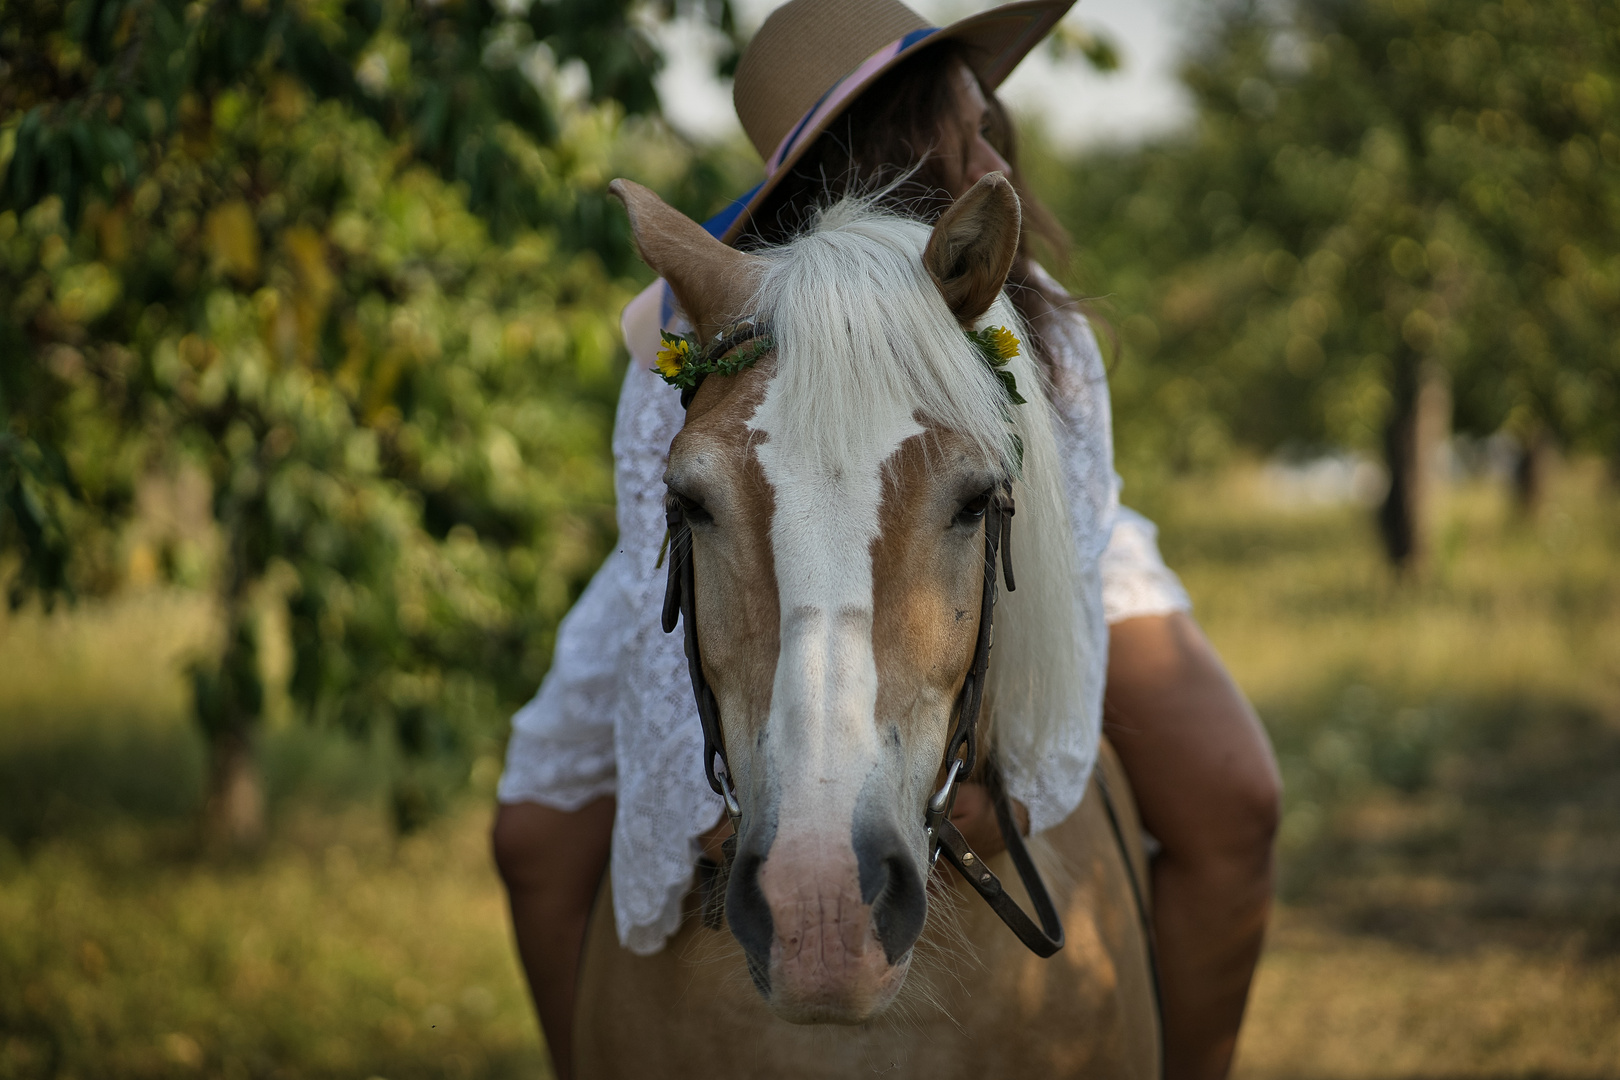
<point>961,751</point>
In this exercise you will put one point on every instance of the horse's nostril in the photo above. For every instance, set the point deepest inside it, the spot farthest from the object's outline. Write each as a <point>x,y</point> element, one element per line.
<point>900,906</point>
<point>749,914</point>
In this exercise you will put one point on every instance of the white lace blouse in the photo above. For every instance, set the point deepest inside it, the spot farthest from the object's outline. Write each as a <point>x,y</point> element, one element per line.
<point>615,715</point>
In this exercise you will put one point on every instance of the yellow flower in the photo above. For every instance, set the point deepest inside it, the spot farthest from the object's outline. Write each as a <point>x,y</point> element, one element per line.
<point>673,356</point>
<point>1003,342</point>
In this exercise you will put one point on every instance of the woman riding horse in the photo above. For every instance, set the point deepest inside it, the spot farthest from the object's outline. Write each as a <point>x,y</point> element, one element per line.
<point>844,96</point>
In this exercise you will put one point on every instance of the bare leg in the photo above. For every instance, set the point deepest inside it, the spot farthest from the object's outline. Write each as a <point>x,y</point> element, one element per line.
<point>1207,785</point>
<point>552,861</point>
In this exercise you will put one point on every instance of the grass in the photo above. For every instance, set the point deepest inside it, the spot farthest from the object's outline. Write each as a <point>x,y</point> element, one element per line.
<point>338,951</point>
<point>1450,854</point>
<point>335,953</point>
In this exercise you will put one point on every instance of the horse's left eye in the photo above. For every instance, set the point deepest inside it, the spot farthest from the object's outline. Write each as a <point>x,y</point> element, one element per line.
<point>972,511</point>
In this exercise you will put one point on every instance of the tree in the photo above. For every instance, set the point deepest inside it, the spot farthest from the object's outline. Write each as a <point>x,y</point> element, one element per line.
<point>353,267</point>
<point>1386,205</point>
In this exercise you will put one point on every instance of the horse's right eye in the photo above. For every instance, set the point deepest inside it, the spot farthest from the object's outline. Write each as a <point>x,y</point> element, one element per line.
<point>972,511</point>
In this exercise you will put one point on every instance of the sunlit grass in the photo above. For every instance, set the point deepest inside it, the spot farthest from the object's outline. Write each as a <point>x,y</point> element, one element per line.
<point>115,664</point>
<point>1335,1005</point>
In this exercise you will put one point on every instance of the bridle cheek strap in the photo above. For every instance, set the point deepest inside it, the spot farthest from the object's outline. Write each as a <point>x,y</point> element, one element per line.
<point>680,599</point>
<point>961,753</point>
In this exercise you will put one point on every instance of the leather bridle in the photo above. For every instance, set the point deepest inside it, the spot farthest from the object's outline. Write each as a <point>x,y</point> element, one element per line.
<point>961,751</point>
<point>961,756</point>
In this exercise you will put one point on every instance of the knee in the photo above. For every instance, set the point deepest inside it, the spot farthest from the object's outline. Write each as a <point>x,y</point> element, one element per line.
<point>539,850</point>
<point>1257,801</point>
<point>1228,845</point>
<point>1243,829</point>
<point>516,844</point>
<point>1233,827</point>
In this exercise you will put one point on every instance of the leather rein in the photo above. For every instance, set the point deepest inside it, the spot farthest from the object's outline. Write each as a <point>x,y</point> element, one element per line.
<point>961,752</point>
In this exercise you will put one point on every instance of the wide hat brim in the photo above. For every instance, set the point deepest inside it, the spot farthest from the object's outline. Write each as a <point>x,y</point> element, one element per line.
<point>994,43</point>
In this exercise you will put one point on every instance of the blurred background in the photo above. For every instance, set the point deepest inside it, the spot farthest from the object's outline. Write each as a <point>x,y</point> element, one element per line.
<point>308,358</point>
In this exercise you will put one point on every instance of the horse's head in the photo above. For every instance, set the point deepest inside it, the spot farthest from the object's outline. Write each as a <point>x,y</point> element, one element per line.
<point>836,494</point>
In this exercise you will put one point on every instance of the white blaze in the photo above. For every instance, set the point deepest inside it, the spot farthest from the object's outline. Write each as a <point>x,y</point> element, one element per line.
<point>825,691</point>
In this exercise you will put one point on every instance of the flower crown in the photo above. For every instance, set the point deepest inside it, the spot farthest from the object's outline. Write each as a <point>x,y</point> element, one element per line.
<point>684,363</point>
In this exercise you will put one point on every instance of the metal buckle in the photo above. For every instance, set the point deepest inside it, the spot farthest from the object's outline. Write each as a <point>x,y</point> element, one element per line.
<point>728,793</point>
<point>938,804</point>
<point>941,798</point>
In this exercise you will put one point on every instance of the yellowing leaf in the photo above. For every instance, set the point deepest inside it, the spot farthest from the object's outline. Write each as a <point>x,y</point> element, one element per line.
<point>233,240</point>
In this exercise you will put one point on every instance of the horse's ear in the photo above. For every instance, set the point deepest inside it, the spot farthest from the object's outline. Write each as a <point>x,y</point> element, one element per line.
<point>973,245</point>
<point>712,282</point>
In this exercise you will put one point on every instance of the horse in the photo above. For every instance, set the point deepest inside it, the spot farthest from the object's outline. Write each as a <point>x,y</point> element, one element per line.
<point>837,498</point>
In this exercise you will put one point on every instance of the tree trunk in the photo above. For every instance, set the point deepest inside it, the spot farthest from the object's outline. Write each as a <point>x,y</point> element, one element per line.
<point>234,815</point>
<point>1532,473</point>
<point>228,698</point>
<point>1414,446</point>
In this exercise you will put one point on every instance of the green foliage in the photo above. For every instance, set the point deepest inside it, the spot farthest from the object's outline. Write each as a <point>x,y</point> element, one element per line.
<point>402,424</point>
<point>348,270</point>
<point>684,362</point>
<point>1370,187</point>
<point>1097,49</point>
<point>92,84</point>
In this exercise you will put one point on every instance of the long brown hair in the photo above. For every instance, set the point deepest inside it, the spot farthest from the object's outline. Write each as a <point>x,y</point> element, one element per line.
<point>888,140</point>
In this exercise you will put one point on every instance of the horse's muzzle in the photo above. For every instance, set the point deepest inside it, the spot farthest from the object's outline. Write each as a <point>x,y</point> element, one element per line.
<point>828,924</point>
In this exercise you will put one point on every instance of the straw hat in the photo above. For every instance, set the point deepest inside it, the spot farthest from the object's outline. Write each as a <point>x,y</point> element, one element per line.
<point>813,58</point>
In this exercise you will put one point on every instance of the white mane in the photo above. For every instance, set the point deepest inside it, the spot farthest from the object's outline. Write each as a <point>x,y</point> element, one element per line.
<point>860,329</point>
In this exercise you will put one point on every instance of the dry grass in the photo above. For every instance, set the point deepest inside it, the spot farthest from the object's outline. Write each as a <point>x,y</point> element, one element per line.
<point>335,953</point>
<point>119,662</point>
<point>1355,1005</point>
<point>125,951</point>
<point>1450,857</point>
<point>1451,844</point>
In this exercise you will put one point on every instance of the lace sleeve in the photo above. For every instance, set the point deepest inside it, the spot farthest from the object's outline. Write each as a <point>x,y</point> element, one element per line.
<point>664,801</point>
<point>561,750</point>
<point>1085,436</point>
<point>1135,580</point>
